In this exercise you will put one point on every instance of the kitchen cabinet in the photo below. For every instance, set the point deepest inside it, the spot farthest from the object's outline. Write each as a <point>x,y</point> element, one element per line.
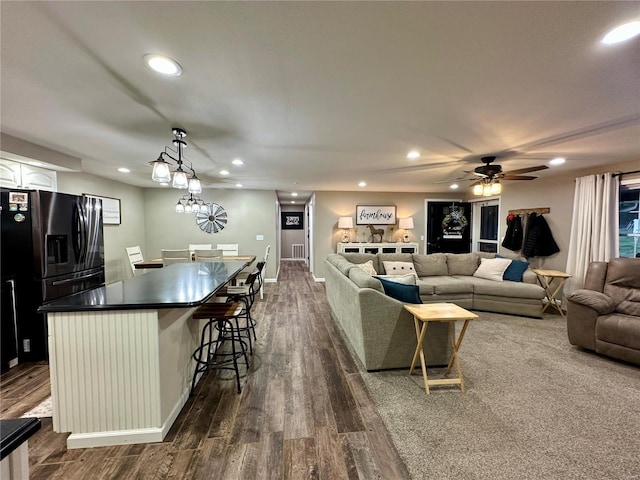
<point>20,175</point>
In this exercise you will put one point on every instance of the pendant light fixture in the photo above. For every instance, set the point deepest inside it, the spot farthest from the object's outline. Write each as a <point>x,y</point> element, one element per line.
<point>162,166</point>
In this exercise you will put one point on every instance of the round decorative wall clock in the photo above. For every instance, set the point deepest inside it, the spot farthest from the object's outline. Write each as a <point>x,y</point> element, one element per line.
<point>211,218</point>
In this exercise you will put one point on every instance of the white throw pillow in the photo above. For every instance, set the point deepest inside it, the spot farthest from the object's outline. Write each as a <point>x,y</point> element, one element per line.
<point>367,267</point>
<point>408,279</point>
<point>492,268</point>
<point>398,268</point>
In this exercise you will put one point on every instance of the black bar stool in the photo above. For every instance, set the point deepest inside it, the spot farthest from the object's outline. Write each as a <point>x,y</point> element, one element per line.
<point>221,319</point>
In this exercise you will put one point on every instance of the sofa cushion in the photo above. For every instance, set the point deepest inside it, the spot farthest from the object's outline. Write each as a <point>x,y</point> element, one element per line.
<point>600,302</point>
<point>362,258</point>
<point>447,285</point>
<point>425,287</point>
<point>619,329</point>
<point>492,268</point>
<point>341,263</point>
<point>482,286</point>
<point>391,257</point>
<point>367,267</point>
<point>430,265</point>
<point>402,293</point>
<point>364,280</point>
<point>408,279</point>
<point>398,268</point>
<point>462,263</point>
<point>623,284</point>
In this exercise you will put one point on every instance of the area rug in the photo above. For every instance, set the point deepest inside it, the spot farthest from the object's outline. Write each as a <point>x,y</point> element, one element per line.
<point>43,409</point>
<point>535,407</point>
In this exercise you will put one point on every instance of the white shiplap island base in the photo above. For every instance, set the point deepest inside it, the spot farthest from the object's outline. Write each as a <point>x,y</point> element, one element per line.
<point>121,374</point>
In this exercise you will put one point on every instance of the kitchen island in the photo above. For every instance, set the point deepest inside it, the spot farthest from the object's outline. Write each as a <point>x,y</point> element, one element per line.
<point>120,355</point>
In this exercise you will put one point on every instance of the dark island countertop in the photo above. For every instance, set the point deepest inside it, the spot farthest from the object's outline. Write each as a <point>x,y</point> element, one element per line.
<point>15,432</point>
<point>181,285</point>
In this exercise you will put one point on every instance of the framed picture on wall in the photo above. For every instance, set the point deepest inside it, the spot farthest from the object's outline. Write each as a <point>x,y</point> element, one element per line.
<point>292,220</point>
<point>110,209</point>
<point>375,215</point>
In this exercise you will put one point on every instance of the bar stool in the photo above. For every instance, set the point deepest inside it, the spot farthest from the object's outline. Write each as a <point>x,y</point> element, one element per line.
<point>221,318</point>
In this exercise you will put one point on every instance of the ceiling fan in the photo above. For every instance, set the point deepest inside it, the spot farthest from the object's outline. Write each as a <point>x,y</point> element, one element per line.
<point>490,171</point>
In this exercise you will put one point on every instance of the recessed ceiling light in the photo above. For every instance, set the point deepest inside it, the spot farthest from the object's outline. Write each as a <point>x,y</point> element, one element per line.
<point>237,161</point>
<point>622,33</point>
<point>239,185</point>
<point>413,154</point>
<point>294,194</point>
<point>453,186</point>
<point>362,184</point>
<point>163,65</point>
<point>557,161</point>
<point>224,172</point>
<point>124,170</point>
<point>293,201</point>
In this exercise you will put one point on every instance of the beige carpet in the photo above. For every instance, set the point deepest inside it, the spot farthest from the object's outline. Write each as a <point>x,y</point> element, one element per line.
<point>535,408</point>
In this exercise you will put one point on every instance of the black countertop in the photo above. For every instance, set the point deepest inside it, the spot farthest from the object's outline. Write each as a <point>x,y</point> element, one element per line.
<point>181,285</point>
<point>14,432</point>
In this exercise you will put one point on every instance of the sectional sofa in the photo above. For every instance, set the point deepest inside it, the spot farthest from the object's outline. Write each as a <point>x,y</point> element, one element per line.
<point>382,333</point>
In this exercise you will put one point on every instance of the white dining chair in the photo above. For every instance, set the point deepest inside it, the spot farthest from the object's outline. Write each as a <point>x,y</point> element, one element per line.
<point>264,268</point>
<point>228,249</point>
<point>208,255</point>
<point>175,256</point>
<point>199,246</point>
<point>135,256</point>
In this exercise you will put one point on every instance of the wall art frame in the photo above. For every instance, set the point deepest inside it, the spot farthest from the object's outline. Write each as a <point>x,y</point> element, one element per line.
<point>292,221</point>
<point>376,215</point>
<point>111,209</point>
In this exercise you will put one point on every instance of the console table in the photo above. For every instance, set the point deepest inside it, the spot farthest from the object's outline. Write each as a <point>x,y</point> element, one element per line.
<point>377,247</point>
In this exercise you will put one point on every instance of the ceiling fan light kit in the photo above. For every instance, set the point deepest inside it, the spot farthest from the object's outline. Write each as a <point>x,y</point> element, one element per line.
<point>489,183</point>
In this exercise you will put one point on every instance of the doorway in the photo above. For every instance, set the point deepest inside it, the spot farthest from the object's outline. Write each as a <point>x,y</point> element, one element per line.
<point>486,225</point>
<point>448,226</point>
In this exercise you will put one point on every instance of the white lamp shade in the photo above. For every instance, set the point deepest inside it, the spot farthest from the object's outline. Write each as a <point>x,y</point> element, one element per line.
<point>345,222</point>
<point>180,179</point>
<point>406,223</point>
<point>195,186</point>
<point>477,189</point>
<point>161,172</point>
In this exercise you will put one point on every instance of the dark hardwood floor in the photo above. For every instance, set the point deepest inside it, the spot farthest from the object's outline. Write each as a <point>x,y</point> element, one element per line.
<point>304,411</point>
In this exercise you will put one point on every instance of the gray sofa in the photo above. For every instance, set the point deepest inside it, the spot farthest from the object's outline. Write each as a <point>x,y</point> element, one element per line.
<point>604,316</point>
<point>381,332</point>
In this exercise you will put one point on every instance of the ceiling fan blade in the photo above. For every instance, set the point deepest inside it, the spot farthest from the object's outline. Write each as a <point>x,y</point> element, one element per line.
<point>475,183</point>
<point>526,170</point>
<point>517,177</point>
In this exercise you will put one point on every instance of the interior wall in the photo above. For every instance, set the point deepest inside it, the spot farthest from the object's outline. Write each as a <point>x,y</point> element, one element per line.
<point>250,213</point>
<point>289,237</point>
<point>331,205</point>
<point>130,232</point>
<point>555,192</point>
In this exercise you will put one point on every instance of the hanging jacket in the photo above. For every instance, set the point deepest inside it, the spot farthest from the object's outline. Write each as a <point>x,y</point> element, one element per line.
<point>513,238</point>
<point>539,240</point>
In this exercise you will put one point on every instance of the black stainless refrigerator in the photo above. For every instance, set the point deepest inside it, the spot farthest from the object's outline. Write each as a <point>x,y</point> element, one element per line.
<point>52,246</point>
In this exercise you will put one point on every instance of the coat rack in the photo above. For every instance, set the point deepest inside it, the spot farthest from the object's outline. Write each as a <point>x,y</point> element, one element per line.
<point>526,211</point>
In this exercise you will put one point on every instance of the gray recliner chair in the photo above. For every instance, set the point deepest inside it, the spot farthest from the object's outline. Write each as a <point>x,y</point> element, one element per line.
<point>604,316</point>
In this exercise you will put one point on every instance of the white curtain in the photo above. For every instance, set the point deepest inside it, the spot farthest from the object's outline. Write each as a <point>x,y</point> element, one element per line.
<point>594,225</point>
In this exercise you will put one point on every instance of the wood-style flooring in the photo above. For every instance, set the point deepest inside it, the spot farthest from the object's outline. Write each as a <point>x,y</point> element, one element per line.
<point>304,411</point>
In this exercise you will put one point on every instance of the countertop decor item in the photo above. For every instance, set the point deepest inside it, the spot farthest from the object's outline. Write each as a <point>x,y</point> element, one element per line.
<point>346,223</point>
<point>406,224</point>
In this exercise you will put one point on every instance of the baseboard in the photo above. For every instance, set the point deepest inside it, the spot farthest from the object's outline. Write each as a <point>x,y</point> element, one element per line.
<point>293,259</point>
<point>129,437</point>
<point>318,279</point>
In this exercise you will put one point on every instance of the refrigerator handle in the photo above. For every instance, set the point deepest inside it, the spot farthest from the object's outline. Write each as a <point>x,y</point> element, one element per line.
<point>75,279</point>
<point>83,230</point>
<point>77,233</point>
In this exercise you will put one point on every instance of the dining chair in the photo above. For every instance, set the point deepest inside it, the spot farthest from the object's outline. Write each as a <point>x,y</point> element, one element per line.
<point>175,256</point>
<point>199,246</point>
<point>264,267</point>
<point>135,256</point>
<point>208,255</point>
<point>228,249</point>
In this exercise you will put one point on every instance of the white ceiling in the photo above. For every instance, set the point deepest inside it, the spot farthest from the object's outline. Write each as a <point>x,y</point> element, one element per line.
<point>321,95</point>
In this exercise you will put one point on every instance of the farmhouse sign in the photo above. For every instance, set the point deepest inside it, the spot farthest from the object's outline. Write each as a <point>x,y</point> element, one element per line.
<point>375,215</point>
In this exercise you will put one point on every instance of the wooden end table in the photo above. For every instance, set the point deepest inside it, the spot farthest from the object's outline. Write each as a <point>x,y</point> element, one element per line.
<point>439,312</point>
<point>546,277</point>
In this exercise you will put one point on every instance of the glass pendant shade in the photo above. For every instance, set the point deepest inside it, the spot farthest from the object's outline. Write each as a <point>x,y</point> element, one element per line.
<point>194,185</point>
<point>180,179</point>
<point>161,172</point>
<point>195,208</point>
<point>477,189</point>
<point>179,207</point>
<point>496,188</point>
<point>187,208</point>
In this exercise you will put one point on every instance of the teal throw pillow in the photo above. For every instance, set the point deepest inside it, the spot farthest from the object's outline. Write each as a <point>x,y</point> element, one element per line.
<point>402,293</point>
<point>514,272</point>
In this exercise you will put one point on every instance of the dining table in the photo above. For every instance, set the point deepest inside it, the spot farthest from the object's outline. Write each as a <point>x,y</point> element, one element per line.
<point>157,262</point>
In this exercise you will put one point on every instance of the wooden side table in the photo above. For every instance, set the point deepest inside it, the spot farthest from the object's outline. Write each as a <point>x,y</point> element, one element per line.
<point>439,312</point>
<point>546,277</point>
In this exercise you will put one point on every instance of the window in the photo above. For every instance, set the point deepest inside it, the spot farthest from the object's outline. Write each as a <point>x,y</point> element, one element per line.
<point>629,217</point>
<point>486,226</point>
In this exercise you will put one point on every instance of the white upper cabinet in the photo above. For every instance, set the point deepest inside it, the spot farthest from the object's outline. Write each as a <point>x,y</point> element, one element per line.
<point>20,175</point>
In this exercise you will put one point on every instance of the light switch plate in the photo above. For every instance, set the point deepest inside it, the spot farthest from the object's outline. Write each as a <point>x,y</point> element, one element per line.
<point>259,237</point>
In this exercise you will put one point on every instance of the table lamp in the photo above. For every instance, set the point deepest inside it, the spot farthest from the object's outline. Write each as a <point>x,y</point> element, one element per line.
<point>406,224</point>
<point>346,223</point>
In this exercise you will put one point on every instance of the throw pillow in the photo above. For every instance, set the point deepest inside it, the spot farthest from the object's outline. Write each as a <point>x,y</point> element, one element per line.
<point>434,264</point>
<point>398,268</point>
<point>492,268</point>
<point>367,267</point>
<point>409,279</point>
<point>402,293</point>
<point>514,271</point>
